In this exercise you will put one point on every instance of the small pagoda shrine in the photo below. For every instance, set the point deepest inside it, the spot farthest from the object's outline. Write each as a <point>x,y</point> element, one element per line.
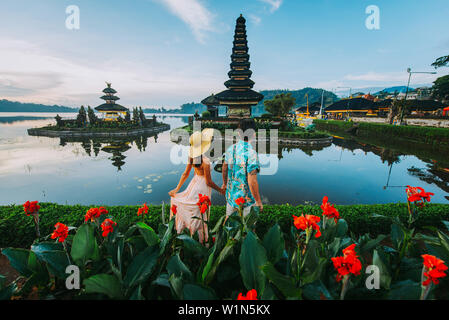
<point>111,109</point>
<point>239,98</point>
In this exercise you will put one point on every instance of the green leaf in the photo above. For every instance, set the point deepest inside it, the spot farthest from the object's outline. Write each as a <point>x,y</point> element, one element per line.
<point>176,285</point>
<point>84,245</point>
<point>397,235</point>
<point>150,236</point>
<point>252,258</point>
<point>287,285</point>
<point>18,258</point>
<point>444,239</point>
<point>316,291</point>
<point>167,236</point>
<point>342,228</point>
<point>314,274</point>
<point>178,268</point>
<point>197,292</point>
<point>274,244</point>
<point>209,264</point>
<point>6,293</point>
<point>192,246</point>
<point>373,243</point>
<point>104,283</point>
<point>405,290</point>
<point>380,260</point>
<point>137,294</point>
<point>141,267</point>
<point>224,254</point>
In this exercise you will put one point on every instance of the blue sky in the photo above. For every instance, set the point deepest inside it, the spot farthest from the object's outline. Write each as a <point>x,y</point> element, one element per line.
<point>168,52</point>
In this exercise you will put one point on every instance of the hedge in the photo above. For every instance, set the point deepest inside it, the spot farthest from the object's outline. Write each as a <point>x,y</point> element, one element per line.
<point>17,229</point>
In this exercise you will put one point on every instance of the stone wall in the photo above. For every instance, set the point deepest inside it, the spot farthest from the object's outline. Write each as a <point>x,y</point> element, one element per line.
<point>439,123</point>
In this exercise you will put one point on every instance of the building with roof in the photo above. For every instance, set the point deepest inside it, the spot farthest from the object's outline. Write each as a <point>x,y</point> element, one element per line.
<point>212,104</point>
<point>358,107</point>
<point>239,98</point>
<point>110,109</point>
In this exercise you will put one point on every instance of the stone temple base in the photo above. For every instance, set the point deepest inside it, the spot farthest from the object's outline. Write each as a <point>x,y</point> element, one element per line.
<point>239,112</point>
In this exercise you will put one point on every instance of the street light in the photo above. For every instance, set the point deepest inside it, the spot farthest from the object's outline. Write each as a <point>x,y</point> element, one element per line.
<point>410,72</point>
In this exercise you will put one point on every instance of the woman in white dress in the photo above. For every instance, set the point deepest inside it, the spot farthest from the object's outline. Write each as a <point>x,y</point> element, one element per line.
<point>186,201</point>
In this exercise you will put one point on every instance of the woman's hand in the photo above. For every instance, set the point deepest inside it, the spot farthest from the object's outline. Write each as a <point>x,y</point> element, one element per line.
<point>173,193</point>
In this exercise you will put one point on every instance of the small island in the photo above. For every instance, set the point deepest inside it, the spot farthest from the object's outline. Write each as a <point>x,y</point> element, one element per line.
<point>116,121</point>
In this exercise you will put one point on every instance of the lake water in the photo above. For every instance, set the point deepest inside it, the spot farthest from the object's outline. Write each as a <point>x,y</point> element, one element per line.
<point>134,172</point>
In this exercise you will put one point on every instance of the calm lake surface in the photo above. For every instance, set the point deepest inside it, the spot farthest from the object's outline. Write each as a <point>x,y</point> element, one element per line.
<point>133,172</point>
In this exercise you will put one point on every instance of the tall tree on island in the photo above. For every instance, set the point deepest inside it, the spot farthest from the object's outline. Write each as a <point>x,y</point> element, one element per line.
<point>281,105</point>
<point>91,115</point>
<point>127,117</point>
<point>141,116</point>
<point>81,119</point>
<point>136,118</point>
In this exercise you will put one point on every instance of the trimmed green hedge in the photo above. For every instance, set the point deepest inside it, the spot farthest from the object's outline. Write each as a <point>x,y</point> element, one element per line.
<point>17,229</point>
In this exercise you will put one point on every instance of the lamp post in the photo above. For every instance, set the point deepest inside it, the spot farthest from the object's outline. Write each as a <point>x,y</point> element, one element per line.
<point>410,72</point>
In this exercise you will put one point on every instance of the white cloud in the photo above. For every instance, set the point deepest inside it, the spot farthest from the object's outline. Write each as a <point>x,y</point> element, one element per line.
<point>194,14</point>
<point>255,19</point>
<point>390,77</point>
<point>275,4</point>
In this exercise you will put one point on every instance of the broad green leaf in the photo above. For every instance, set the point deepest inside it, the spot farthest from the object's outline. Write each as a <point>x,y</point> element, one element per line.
<point>162,280</point>
<point>7,292</point>
<point>57,262</point>
<point>224,254</point>
<point>208,265</point>
<point>274,244</point>
<point>446,224</point>
<point>192,246</point>
<point>284,283</point>
<point>252,258</point>
<point>104,283</point>
<point>150,236</point>
<point>341,229</point>
<point>397,235</point>
<point>197,292</point>
<point>167,236</point>
<point>176,285</point>
<point>178,268</point>
<point>137,294</point>
<point>18,258</point>
<point>316,273</point>
<point>84,245</point>
<point>380,260</point>
<point>444,240</point>
<point>371,244</point>
<point>141,267</point>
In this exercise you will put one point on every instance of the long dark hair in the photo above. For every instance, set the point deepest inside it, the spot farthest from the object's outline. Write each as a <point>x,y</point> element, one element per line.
<point>197,161</point>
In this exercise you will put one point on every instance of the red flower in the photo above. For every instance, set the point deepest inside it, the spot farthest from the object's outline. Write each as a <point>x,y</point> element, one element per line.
<point>307,223</point>
<point>61,232</point>
<point>417,194</point>
<point>348,264</point>
<point>143,210</point>
<point>95,213</point>
<point>433,269</point>
<point>329,210</point>
<point>174,209</point>
<point>213,239</point>
<point>203,202</point>
<point>240,201</point>
<point>251,295</point>
<point>31,207</point>
<point>107,226</point>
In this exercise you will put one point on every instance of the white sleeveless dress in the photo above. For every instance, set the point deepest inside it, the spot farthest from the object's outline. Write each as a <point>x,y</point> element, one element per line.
<point>187,208</point>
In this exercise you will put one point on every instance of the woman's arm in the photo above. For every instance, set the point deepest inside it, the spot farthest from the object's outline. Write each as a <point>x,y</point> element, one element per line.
<point>183,179</point>
<point>209,182</point>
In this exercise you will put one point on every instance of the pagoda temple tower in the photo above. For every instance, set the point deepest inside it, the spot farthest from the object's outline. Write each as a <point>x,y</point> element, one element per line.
<point>110,108</point>
<point>239,98</point>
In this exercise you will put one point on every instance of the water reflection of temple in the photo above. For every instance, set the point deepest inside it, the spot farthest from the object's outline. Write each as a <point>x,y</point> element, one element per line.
<point>115,147</point>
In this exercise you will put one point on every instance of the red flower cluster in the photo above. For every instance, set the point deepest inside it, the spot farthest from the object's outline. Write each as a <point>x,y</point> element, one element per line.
<point>251,295</point>
<point>61,232</point>
<point>174,209</point>
<point>142,210</point>
<point>348,264</point>
<point>307,223</point>
<point>31,207</point>
<point>433,269</point>
<point>203,202</point>
<point>417,194</point>
<point>95,213</point>
<point>329,210</point>
<point>240,201</point>
<point>107,226</point>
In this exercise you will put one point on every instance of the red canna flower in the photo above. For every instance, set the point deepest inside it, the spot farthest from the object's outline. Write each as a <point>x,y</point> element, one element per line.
<point>31,207</point>
<point>213,239</point>
<point>418,195</point>
<point>107,226</point>
<point>251,295</point>
<point>142,210</point>
<point>307,223</point>
<point>203,202</point>
<point>329,210</point>
<point>433,269</point>
<point>94,213</point>
<point>174,209</point>
<point>61,232</point>
<point>240,201</point>
<point>348,264</point>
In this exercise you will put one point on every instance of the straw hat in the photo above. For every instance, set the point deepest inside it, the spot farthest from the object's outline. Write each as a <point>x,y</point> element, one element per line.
<point>200,142</point>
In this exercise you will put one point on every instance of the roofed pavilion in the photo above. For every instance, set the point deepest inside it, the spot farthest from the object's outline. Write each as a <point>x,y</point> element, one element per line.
<point>110,108</point>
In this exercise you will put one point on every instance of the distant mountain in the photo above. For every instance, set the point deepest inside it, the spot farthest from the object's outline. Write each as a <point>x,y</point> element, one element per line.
<point>13,106</point>
<point>300,96</point>
<point>398,89</point>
